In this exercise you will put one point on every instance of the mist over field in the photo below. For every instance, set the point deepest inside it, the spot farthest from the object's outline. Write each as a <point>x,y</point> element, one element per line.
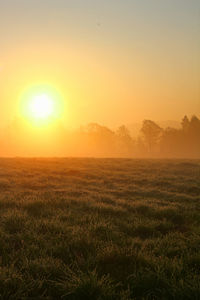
<point>94,140</point>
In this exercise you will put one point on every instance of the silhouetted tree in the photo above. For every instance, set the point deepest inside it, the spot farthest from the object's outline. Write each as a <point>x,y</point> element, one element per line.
<point>101,139</point>
<point>195,124</point>
<point>185,123</point>
<point>171,142</point>
<point>125,144</point>
<point>151,133</point>
<point>183,142</point>
<point>193,137</point>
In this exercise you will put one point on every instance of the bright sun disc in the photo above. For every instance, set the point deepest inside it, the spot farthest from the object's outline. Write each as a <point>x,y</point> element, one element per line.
<point>41,106</point>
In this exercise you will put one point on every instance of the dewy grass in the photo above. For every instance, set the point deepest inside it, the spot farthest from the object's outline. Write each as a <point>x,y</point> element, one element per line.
<point>99,229</point>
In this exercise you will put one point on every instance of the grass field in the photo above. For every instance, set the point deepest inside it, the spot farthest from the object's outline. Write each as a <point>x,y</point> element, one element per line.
<point>99,229</point>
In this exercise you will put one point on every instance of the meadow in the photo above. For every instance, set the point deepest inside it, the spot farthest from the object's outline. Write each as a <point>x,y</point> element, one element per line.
<point>84,228</point>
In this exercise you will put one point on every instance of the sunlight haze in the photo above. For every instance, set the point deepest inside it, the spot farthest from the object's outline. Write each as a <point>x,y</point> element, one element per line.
<point>100,149</point>
<point>115,61</point>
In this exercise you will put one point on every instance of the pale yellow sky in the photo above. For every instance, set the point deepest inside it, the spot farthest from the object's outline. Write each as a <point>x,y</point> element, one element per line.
<point>113,62</point>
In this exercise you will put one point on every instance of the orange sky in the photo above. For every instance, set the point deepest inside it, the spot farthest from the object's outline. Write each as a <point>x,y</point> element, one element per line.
<point>113,62</point>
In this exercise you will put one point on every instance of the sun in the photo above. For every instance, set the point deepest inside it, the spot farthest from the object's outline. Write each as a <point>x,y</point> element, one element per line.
<point>41,106</point>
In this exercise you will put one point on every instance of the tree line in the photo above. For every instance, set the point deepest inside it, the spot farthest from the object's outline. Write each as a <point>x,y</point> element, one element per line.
<point>153,141</point>
<point>96,140</point>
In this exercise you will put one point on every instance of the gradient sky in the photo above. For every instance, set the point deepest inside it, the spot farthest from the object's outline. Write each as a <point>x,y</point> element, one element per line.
<point>114,61</point>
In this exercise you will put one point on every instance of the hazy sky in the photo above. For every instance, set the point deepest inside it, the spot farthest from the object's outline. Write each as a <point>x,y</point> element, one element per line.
<point>114,61</point>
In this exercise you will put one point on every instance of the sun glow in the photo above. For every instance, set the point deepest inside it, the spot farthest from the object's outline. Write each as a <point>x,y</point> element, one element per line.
<point>41,106</point>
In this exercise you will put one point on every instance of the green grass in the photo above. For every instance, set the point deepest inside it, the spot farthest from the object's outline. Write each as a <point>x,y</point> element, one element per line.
<point>99,229</point>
